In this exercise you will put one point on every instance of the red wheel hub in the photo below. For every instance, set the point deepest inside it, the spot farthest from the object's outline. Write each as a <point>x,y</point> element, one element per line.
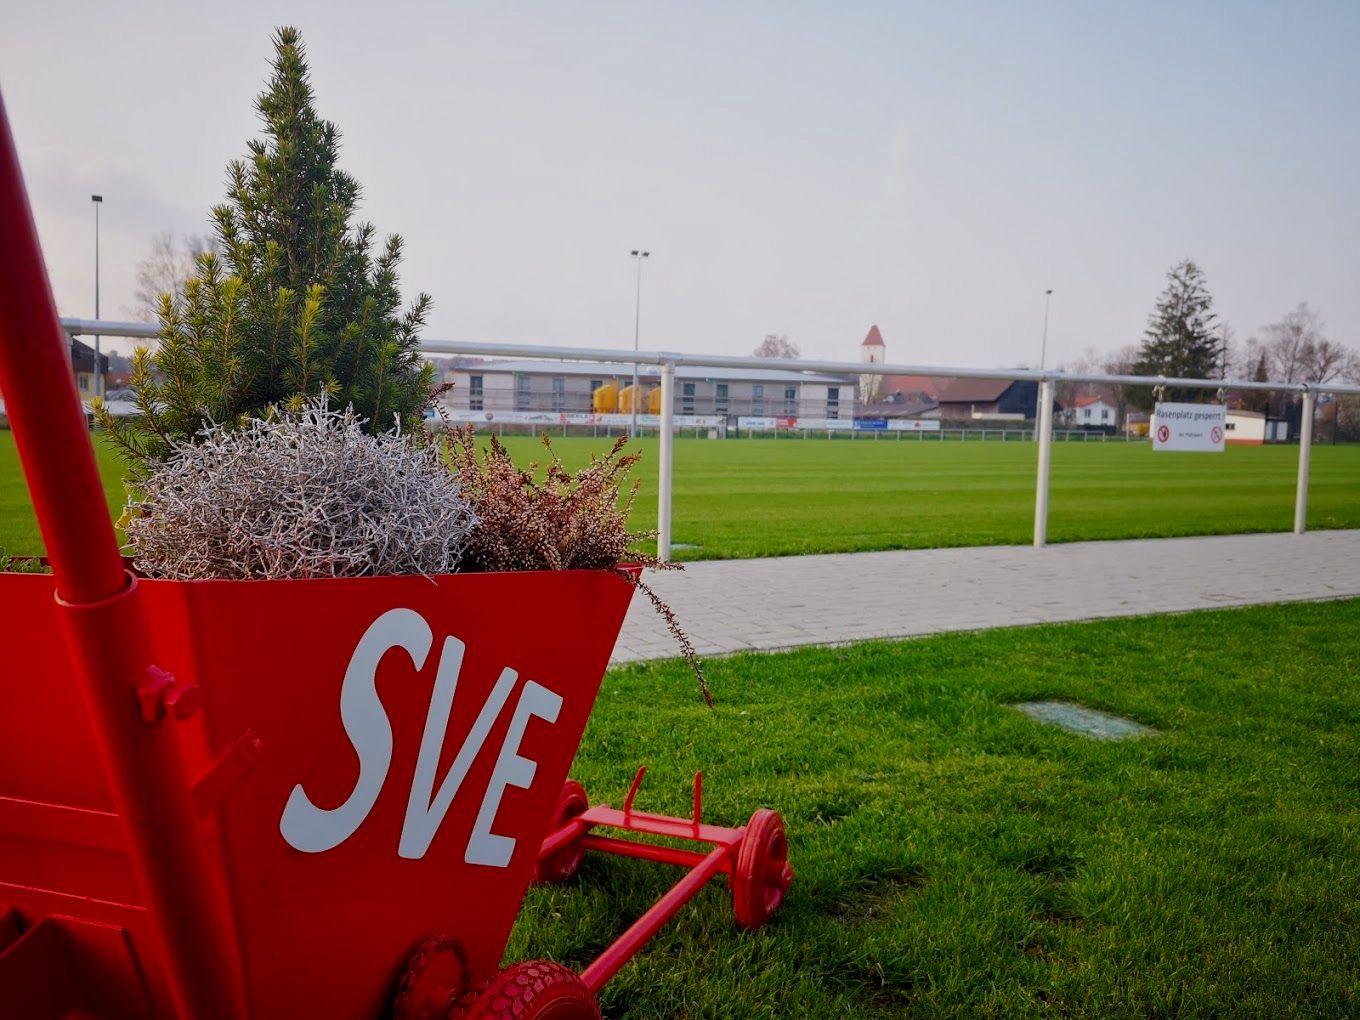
<point>436,975</point>
<point>563,864</point>
<point>762,874</point>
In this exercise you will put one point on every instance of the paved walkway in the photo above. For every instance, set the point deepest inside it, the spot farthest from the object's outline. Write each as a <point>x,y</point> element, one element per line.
<point>735,605</point>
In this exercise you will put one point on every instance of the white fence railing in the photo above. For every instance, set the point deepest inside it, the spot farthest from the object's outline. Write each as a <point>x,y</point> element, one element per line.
<point>669,361</point>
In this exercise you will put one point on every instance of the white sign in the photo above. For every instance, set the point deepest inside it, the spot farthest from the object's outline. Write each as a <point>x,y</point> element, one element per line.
<point>830,424</point>
<point>913,425</point>
<point>1197,428</point>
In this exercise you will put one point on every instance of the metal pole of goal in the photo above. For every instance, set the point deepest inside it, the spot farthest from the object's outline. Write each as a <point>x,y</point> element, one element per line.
<point>665,468</point>
<point>1305,453</point>
<point>1045,438</point>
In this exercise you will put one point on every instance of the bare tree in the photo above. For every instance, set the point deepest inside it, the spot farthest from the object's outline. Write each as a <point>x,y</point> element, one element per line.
<point>1121,362</point>
<point>172,261</point>
<point>1297,350</point>
<point>1327,361</point>
<point>777,345</point>
<point>1289,343</point>
<point>1087,363</point>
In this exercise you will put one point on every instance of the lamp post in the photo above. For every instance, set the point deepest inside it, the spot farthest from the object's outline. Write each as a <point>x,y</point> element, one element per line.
<point>98,200</point>
<point>1043,350</point>
<point>638,255</point>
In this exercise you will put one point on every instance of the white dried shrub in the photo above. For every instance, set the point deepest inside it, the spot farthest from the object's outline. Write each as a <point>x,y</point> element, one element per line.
<point>306,494</point>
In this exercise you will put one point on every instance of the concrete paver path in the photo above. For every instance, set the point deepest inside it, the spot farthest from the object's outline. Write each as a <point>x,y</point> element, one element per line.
<point>735,605</point>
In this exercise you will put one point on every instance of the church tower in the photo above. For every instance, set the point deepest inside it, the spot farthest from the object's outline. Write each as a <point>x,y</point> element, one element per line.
<point>871,351</point>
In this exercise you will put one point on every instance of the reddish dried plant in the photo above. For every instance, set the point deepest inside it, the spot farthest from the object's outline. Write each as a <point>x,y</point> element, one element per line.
<point>563,520</point>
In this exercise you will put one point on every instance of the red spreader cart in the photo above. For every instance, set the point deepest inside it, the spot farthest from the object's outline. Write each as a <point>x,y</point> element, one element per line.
<point>292,799</point>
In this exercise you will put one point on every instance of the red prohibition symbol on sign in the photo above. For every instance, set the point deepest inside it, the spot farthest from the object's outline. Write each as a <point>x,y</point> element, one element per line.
<point>1163,433</point>
<point>1216,435</point>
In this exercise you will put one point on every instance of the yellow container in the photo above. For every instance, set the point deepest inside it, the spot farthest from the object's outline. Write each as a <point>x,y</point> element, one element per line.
<point>605,399</point>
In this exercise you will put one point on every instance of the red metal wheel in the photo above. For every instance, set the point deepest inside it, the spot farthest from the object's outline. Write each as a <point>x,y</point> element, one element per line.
<point>762,874</point>
<point>563,865</point>
<point>537,990</point>
<point>436,975</point>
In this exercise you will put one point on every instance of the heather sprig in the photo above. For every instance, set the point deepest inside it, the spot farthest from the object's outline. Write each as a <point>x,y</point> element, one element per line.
<point>563,520</point>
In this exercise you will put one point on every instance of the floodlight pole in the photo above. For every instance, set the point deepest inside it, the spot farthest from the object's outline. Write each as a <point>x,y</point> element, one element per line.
<point>665,468</point>
<point>98,201</point>
<point>638,255</point>
<point>1043,348</point>
<point>1305,453</point>
<point>1044,435</point>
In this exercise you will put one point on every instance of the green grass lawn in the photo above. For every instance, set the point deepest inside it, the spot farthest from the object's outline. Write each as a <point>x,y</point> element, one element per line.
<point>768,497</point>
<point>956,858</point>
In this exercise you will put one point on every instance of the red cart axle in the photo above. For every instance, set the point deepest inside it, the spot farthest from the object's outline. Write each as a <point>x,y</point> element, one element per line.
<point>754,858</point>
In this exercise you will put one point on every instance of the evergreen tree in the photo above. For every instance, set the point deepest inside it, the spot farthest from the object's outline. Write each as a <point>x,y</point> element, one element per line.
<point>1179,341</point>
<point>293,303</point>
<point>1258,400</point>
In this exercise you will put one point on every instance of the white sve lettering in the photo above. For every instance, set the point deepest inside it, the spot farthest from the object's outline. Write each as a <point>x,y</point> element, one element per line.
<point>485,847</point>
<point>424,814</point>
<point>314,830</point>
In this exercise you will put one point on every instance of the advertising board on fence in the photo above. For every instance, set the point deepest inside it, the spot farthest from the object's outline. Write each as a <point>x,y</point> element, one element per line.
<point>913,425</point>
<point>828,424</point>
<point>1196,428</point>
<point>763,422</point>
<point>650,421</point>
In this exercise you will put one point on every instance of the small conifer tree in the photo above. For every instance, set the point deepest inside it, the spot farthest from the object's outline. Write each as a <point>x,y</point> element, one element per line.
<point>294,303</point>
<point>1179,341</point>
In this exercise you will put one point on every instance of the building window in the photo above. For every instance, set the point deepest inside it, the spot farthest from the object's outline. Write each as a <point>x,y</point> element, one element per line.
<point>687,398</point>
<point>833,401</point>
<point>758,399</point>
<point>1104,414</point>
<point>790,399</point>
<point>595,384</point>
<point>475,393</point>
<point>720,401</point>
<point>523,392</point>
<point>559,391</point>
<point>1086,414</point>
<point>84,381</point>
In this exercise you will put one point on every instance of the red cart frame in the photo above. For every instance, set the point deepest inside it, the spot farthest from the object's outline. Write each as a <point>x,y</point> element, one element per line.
<point>191,826</point>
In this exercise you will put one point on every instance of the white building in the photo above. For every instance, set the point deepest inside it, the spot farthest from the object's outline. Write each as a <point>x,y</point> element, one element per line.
<point>1254,428</point>
<point>872,351</point>
<point>568,387</point>
<point>1095,412</point>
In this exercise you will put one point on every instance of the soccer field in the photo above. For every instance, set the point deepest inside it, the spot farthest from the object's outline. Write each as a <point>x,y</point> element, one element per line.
<point>766,497</point>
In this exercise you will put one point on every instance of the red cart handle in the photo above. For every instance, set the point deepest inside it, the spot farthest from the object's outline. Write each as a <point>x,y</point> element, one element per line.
<point>43,407</point>
<point>107,637</point>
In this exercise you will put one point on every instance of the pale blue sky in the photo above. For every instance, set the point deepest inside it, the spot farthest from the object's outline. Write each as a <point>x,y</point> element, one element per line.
<point>797,168</point>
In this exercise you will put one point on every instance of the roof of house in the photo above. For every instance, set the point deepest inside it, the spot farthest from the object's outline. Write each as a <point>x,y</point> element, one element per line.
<point>652,372</point>
<point>974,391</point>
<point>927,384</point>
<point>82,357</point>
<point>901,409</point>
<point>1088,401</point>
<point>1237,412</point>
<point>873,338</point>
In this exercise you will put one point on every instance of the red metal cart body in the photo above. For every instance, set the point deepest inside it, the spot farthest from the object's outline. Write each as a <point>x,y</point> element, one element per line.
<point>287,799</point>
<point>424,727</point>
